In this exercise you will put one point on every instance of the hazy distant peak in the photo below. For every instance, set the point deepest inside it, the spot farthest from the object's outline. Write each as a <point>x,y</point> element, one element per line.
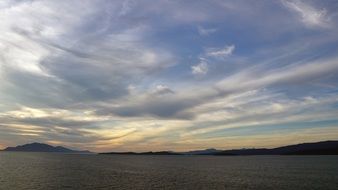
<point>40,147</point>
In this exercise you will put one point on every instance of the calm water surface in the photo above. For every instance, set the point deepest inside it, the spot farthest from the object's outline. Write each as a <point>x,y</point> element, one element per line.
<point>69,171</point>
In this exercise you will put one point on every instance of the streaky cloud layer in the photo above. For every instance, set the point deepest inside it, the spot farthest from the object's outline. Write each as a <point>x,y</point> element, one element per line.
<point>168,75</point>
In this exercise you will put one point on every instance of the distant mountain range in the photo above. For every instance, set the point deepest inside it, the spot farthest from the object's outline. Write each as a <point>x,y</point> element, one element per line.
<point>144,153</point>
<point>317,148</point>
<point>39,147</point>
<point>203,152</point>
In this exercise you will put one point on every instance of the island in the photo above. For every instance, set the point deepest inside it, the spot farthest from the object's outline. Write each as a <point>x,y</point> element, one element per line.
<point>41,147</point>
<point>316,148</point>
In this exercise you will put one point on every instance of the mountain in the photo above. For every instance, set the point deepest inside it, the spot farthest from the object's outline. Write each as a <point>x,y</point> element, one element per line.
<point>203,152</point>
<point>39,147</point>
<point>317,148</point>
<point>144,153</point>
<point>195,152</point>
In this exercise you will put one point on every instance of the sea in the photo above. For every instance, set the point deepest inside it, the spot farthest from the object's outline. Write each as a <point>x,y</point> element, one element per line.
<point>44,171</point>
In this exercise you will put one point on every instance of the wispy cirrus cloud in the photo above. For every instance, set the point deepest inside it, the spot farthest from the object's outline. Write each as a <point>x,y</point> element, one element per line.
<point>220,52</point>
<point>200,69</point>
<point>310,16</point>
<point>129,76</point>
<point>205,31</point>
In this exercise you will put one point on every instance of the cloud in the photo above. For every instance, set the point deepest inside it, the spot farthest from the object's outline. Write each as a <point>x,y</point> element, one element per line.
<point>127,6</point>
<point>222,52</point>
<point>200,69</point>
<point>162,89</point>
<point>261,109</point>
<point>294,74</point>
<point>71,55</point>
<point>310,16</point>
<point>172,107</point>
<point>205,31</point>
<point>178,105</point>
<point>106,74</point>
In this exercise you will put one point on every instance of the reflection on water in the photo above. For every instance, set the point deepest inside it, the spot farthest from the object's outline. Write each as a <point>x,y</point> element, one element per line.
<point>69,171</point>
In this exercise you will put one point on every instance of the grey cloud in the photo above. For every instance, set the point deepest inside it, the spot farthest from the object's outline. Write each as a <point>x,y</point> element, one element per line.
<point>308,14</point>
<point>162,90</point>
<point>82,56</point>
<point>179,105</point>
<point>165,107</point>
<point>49,121</point>
<point>89,61</point>
<point>48,129</point>
<point>294,74</point>
<point>205,31</point>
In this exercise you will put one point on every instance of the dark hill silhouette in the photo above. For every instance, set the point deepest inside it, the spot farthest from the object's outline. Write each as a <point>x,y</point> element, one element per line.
<point>203,152</point>
<point>317,148</point>
<point>40,147</point>
<point>145,153</point>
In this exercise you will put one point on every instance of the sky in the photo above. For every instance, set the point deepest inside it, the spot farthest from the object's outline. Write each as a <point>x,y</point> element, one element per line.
<point>141,75</point>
